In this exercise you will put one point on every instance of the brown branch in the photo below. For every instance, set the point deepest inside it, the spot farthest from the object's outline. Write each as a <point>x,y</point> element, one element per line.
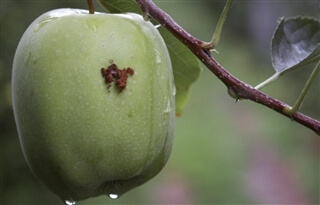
<point>236,87</point>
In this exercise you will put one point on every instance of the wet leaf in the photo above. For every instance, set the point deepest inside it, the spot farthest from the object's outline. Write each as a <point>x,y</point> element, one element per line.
<point>186,67</point>
<point>295,43</point>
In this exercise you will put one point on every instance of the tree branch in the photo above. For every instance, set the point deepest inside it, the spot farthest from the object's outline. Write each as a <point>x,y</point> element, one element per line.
<point>235,87</point>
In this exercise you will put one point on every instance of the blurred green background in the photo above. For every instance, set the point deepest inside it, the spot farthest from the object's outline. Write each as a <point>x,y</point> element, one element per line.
<point>224,152</point>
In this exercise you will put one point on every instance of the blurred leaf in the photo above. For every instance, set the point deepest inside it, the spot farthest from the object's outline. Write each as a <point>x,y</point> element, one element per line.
<point>295,43</point>
<point>186,67</point>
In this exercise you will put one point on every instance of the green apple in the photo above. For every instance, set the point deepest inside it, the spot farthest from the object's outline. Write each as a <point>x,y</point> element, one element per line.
<point>83,137</point>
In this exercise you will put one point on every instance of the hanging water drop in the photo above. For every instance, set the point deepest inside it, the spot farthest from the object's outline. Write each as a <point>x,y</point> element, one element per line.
<point>69,202</point>
<point>113,196</point>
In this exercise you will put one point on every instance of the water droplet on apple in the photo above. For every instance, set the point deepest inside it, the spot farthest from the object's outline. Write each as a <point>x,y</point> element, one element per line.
<point>174,91</point>
<point>69,202</point>
<point>158,57</point>
<point>113,196</point>
<point>43,22</point>
<point>168,108</point>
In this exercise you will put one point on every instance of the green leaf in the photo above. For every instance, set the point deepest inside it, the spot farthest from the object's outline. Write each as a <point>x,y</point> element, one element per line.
<point>295,44</point>
<point>186,67</point>
<point>120,6</point>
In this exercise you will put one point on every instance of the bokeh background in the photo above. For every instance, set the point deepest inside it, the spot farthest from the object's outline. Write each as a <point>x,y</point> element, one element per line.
<point>224,152</point>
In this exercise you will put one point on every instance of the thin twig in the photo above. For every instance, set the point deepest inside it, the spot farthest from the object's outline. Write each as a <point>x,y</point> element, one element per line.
<point>234,85</point>
<point>305,90</point>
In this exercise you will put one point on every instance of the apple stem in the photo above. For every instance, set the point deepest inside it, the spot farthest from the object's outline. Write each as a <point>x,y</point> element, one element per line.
<point>91,7</point>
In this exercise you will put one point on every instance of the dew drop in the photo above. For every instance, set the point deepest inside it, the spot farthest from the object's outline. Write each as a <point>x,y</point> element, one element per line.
<point>43,22</point>
<point>69,202</point>
<point>113,196</point>
<point>168,108</point>
<point>174,91</point>
<point>158,57</point>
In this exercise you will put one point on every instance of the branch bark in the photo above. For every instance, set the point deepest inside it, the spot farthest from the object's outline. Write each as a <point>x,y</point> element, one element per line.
<point>235,86</point>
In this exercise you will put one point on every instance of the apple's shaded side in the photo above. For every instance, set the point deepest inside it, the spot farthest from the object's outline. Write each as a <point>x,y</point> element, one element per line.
<point>79,137</point>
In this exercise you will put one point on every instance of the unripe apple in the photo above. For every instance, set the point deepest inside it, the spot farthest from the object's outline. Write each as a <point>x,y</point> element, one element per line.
<point>81,135</point>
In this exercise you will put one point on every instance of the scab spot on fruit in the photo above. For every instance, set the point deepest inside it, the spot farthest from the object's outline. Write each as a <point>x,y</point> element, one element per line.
<point>114,74</point>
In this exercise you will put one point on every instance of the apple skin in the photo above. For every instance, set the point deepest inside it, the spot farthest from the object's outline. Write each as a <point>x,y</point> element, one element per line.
<point>81,138</point>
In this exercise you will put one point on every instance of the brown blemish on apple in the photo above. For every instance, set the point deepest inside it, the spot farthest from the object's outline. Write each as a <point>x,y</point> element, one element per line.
<point>114,74</point>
